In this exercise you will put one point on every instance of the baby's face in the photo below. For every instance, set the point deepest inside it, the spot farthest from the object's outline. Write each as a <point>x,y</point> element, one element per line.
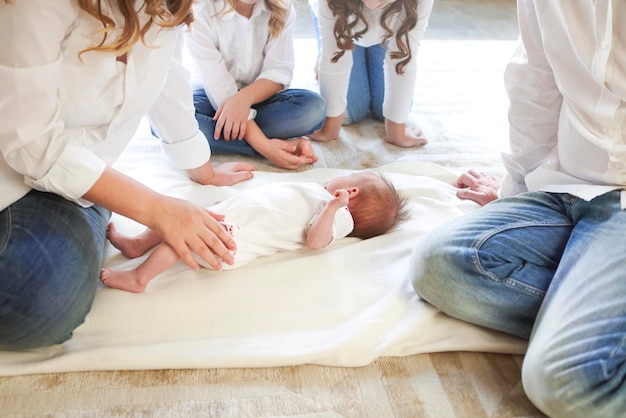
<point>377,4</point>
<point>348,182</point>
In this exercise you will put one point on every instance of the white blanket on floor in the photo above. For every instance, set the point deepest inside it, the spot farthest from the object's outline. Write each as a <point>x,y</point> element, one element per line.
<point>344,305</point>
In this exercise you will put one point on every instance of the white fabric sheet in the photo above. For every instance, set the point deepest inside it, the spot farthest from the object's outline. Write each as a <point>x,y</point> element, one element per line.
<point>344,305</point>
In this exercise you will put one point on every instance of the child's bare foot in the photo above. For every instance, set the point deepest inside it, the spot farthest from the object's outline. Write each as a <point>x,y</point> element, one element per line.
<point>412,137</point>
<point>129,246</point>
<point>122,279</point>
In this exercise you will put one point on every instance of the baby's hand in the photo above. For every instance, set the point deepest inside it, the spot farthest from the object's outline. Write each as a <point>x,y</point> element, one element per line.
<point>342,197</point>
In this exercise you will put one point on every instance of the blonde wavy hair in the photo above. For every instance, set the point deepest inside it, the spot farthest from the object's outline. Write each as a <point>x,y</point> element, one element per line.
<point>163,13</point>
<point>278,13</point>
<point>344,9</point>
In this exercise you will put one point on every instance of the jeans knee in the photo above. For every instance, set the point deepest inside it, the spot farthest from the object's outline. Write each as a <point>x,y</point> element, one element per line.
<point>45,313</point>
<point>425,274</point>
<point>562,386</point>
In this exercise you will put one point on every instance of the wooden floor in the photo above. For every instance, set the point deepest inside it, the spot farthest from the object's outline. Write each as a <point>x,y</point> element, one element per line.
<point>438,385</point>
<point>434,385</point>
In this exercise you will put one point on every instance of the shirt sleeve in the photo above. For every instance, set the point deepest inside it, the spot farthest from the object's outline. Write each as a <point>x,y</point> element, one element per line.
<point>172,116</point>
<point>203,45</point>
<point>535,104</point>
<point>33,141</point>
<point>343,223</point>
<point>279,60</point>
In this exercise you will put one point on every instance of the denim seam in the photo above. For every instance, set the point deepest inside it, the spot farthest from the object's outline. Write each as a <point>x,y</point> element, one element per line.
<point>478,243</point>
<point>4,243</point>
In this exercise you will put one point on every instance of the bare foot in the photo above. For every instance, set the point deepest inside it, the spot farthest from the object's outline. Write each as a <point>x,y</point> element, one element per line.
<point>129,246</point>
<point>413,137</point>
<point>122,279</point>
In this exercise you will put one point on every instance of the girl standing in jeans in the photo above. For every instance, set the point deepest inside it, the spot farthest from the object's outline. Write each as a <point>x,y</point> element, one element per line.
<point>244,58</point>
<point>368,63</point>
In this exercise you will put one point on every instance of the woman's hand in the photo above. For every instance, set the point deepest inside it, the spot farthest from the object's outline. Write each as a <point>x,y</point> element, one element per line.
<point>478,187</point>
<point>183,225</point>
<point>189,228</point>
<point>226,174</point>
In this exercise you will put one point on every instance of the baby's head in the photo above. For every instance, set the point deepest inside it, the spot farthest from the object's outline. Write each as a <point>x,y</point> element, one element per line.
<point>376,207</point>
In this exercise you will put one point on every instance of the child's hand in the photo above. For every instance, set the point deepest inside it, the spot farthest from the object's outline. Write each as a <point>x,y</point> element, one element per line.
<point>232,118</point>
<point>290,154</point>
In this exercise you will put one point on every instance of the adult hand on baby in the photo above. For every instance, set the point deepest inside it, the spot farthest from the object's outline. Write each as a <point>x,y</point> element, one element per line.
<point>478,187</point>
<point>188,228</point>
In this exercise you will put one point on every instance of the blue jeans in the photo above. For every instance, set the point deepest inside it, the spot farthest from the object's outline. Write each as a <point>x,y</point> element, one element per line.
<point>549,267</point>
<point>288,114</point>
<point>366,91</point>
<point>51,253</point>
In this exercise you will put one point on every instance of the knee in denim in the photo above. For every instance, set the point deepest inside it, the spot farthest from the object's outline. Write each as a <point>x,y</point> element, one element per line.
<point>560,385</point>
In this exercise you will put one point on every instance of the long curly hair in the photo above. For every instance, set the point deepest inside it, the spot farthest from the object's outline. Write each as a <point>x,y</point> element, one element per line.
<point>163,13</point>
<point>278,13</point>
<point>343,30</point>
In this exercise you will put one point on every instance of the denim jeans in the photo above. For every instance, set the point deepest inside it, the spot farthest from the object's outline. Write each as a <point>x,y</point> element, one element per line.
<point>549,267</point>
<point>51,253</point>
<point>366,91</point>
<point>288,114</point>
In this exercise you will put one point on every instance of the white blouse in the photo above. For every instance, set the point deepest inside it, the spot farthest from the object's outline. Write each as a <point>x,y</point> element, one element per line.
<point>230,51</point>
<point>64,117</point>
<point>567,85</point>
<point>334,77</point>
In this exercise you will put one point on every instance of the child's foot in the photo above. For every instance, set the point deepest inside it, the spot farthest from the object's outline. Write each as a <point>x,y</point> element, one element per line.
<point>413,137</point>
<point>121,279</point>
<point>127,245</point>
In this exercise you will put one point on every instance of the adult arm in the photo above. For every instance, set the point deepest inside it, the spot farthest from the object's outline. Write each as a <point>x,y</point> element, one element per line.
<point>535,104</point>
<point>185,146</point>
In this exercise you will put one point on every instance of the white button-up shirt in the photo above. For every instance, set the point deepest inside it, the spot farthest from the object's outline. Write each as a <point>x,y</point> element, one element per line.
<point>334,77</point>
<point>567,86</point>
<point>62,120</point>
<point>230,51</point>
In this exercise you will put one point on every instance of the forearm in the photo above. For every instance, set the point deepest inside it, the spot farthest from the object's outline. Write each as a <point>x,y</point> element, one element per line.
<point>259,91</point>
<point>320,232</point>
<point>256,138</point>
<point>125,196</point>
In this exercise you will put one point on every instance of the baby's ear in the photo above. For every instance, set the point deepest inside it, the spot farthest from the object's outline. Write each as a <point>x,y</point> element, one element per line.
<point>353,192</point>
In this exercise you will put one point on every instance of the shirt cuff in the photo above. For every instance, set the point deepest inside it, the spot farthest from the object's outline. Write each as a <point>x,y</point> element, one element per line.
<point>187,154</point>
<point>63,178</point>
